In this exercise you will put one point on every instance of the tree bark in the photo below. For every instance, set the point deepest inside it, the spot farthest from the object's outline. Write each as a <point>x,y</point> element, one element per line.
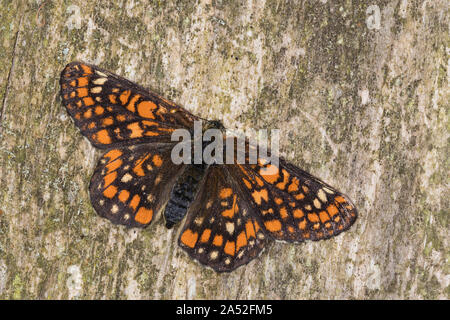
<point>359,90</point>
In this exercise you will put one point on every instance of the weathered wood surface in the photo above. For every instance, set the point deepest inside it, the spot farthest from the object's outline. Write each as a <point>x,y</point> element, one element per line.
<point>358,88</point>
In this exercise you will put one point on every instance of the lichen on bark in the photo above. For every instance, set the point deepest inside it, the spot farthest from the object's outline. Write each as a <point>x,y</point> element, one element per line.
<point>359,90</point>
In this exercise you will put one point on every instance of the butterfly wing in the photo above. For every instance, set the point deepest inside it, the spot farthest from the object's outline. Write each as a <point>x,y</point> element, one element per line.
<point>293,205</point>
<point>131,184</point>
<point>220,230</point>
<point>112,111</point>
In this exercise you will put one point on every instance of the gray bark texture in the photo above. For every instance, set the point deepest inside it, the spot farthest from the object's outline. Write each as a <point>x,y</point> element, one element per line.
<point>359,89</point>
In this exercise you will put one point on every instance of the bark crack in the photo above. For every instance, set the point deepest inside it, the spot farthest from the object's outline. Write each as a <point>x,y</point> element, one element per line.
<point>11,69</point>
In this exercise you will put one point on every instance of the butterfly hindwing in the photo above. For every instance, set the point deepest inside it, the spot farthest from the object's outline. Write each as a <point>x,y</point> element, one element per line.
<point>292,204</point>
<point>112,111</point>
<point>220,230</point>
<point>130,185</point>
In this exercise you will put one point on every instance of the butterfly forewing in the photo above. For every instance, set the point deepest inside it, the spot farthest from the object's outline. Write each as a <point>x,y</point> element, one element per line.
<point>112,111</point>
<point>130,185</point>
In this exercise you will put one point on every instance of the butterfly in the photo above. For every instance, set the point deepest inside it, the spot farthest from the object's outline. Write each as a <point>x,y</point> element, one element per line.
<point>230,211</point>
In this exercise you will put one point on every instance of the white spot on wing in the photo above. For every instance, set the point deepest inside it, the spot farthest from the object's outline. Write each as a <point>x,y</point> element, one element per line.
<point>126,177</point>
<point>99,81</point>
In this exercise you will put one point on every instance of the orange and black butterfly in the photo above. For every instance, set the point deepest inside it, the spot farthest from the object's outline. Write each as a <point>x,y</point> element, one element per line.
<point>230,211</point>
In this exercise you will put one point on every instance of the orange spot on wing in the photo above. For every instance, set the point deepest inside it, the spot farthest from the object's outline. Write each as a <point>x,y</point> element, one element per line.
<point>282,185</point>
<point>218,240</point>
<point>283,213</point>
<point>205,235</point>
<point>145,109</point>
<point>241,241</point>
<point>144,215</point>
<point>136,131</point>
<point>124,195</point>
<point>135,201</point>
<point>256,226</point>
<point>157,161</point>
<point>151,134</point>
<point>108,121</point>
<point>313,217</point>
<point>82,92</point>
<point>112,98</point>
<point>86,69</point>
<point>166,129</point>
<point>99,110</point>
<point>149,123</point>
<point>298,213</point>
<point>229,213</point>
<point>249,229</point>
<point>109,178</point>
<point>88,114</point>
<point>82,82</point>
<point>225,193</point>
<point>273,225</point>
<point>114,165</point>
<point>138,168</point>
<point>294,185</point>
<point>299,196</point>
<point>323,216</point>
<point>229,248</point>
<point>332,210</point>
<point>259,181</point>
<point>88,101</point>
<point>302,224</point>
<point>189,238</point>
<point>113,154</point>
<point>124,96</point>
<point>132,104</point>
<point>102,137</point>
<point>110,192</point>
<point>247,183</point>
<point>258,195</point>
<point>340,199</point>
<point>278,200</point>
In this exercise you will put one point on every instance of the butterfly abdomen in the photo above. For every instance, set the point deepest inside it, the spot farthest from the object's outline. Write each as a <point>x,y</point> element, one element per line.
<point>183,193</point>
